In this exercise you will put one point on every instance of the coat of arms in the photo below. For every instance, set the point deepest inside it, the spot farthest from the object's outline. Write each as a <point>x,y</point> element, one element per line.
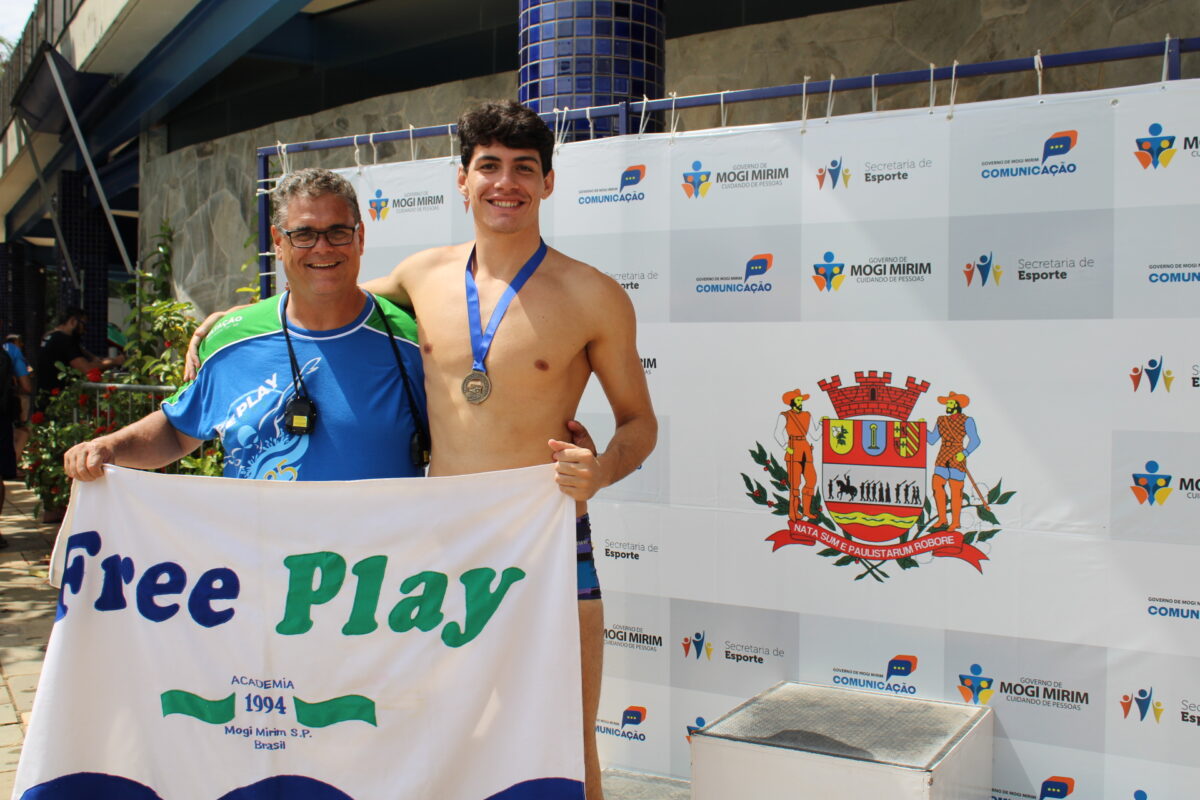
<point>875,497</point>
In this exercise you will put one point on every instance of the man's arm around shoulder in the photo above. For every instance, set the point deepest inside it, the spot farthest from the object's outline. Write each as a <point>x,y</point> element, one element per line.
<point>149,443</point>
<point>393,285</point>
<point>398,285</point>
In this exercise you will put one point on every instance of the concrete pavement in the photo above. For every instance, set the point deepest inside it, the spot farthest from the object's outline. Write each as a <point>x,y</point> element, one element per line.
<point>26,615</point>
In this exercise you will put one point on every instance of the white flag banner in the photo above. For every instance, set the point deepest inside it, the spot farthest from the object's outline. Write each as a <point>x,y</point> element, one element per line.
<point>240,640</point>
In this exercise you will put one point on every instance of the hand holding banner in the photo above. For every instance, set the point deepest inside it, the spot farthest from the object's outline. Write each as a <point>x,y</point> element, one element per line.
<point>220,638</point>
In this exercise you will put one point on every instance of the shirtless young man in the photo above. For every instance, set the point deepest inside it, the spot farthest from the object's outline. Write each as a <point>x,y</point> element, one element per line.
<point>567,322</point>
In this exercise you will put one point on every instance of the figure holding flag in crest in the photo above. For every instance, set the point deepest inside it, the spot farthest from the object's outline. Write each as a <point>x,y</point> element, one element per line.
<point>798,455</point>
<point>959,438</point>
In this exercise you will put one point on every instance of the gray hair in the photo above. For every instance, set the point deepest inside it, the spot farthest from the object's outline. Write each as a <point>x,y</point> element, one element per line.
<point>311,182</point>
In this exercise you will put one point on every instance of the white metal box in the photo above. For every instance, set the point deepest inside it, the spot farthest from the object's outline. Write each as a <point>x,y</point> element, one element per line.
<point>804,741</point>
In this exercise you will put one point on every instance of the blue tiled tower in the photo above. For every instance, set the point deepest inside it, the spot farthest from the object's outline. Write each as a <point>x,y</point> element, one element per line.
<point>580,53</point>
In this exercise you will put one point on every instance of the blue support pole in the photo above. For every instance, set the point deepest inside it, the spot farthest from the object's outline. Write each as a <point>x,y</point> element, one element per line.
<point>265,265</point>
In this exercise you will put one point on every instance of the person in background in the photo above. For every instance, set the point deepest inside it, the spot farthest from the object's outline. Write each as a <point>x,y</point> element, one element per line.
<point>14,345</point>
<point>63,345</point>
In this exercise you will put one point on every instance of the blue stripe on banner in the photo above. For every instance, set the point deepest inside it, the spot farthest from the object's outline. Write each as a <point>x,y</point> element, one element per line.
<point>542,789</point>
<point>98,786</point>
<point>287,787</point>
<point>92,785</point>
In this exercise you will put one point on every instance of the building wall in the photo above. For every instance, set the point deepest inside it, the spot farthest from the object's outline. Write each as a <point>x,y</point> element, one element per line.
<point>206,191</point>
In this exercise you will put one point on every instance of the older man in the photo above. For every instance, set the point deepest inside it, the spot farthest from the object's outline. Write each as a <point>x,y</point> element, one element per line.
<point>321,383</point>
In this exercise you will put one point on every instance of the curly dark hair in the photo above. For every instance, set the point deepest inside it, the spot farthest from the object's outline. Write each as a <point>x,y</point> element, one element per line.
<point>311,182</point>
<point>508,123</point>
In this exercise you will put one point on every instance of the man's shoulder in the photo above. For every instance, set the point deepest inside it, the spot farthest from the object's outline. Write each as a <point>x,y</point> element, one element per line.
<point>259,319</point>
<point>435,257</point>
<point>589,284</point>
<point>398,320</point>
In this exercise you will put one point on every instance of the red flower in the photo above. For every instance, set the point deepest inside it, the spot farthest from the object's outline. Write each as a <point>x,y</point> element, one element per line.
<point>82,399</point>
<point>55,392</point>
<point>93,375</point>
<point>53,490</point>
<point>99,430</point>
<point>37,418</point>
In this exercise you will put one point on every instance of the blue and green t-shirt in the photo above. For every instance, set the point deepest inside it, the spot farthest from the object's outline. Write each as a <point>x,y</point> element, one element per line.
<point>364,426</point>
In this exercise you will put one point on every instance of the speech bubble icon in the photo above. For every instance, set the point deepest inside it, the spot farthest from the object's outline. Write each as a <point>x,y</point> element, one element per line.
<point>1056,787</point>
<point>1059,143</point>
<point>902,666</point>
<point>632,176</point>
<point>634,715</point>
<point>758,264</point>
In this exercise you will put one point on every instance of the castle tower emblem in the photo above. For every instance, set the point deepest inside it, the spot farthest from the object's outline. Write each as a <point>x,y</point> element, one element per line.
<point>873,459</point>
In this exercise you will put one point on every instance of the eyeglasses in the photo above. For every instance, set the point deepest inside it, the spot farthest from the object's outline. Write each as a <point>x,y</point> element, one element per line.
<point>337,236</point>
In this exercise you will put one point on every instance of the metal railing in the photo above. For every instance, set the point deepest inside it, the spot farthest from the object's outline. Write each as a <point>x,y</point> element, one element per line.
<point>139,399</point>
<point>1170,51</point>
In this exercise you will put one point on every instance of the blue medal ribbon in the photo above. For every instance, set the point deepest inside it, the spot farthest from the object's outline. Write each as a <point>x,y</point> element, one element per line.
<point>481,340</point>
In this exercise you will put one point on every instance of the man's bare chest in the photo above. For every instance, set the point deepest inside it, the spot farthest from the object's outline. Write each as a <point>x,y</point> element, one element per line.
<point>534,340</point>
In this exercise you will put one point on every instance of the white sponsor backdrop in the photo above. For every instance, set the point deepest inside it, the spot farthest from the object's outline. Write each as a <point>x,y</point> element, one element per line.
<point>1019,252</point>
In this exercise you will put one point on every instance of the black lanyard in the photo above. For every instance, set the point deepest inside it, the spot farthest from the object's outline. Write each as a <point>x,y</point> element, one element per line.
<point>300,415</point>
<point>420,446</point>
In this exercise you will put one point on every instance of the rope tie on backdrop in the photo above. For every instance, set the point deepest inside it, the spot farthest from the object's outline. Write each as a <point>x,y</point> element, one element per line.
<point>953,88</point>
<point>560,128</point>
<point>645,116</point>
<point>829,100</point>
<point>260,190</point>
<point>374,149</point>
<point>932,89</point>
<point>587,112</point>
<point>1037,65</point>
<point>357,162</point>
<point>1166,58</point>
<point>281,151</point>
<point>450,136</point>
<point>874,94</point>
<point>804,105</point>
<point>674,119</point>
<point>724,118</point>
<point>412,143</point>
